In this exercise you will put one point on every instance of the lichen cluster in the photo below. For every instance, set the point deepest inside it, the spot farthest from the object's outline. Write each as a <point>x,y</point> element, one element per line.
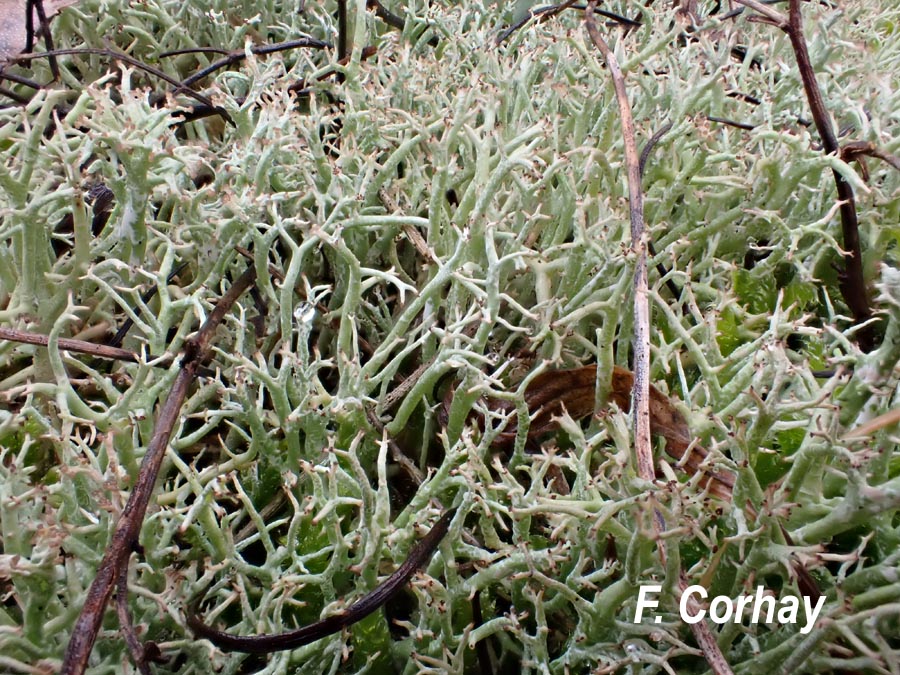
<point>463,207</point>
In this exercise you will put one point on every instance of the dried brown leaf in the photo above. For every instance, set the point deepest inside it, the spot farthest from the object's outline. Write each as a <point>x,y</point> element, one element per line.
<point>555,392</point>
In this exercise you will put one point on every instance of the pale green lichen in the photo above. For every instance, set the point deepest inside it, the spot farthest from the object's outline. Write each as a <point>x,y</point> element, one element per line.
<point>278,494</point>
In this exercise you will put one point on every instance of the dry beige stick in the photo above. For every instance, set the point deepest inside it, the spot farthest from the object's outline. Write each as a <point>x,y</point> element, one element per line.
<point>641,344</point>
<point>865,430</point>
<point>67,344</point>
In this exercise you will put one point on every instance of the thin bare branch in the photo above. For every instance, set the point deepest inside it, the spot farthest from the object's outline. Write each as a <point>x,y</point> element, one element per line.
<point>852,282</point>
<point>359,610</point>
<point>18,79</point>
<point>239,55</point>
<point>393,20</point>
<point>731,123</point>
<point>38,7</point>
<point>856,150</point>
<point>70,345</point>
<point>125,536</point>
<point>130,60</point>
<point>131,639</point>
<point>344,46</point>
<point>542,14</point>
<point>773,15</point>
<point>641,345</point>
<point>704,636</point>
<point>868,429</point>
<point>146,296</point>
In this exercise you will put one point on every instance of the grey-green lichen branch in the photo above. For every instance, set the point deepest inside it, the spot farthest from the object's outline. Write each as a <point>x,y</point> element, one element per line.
<point>447,218</point>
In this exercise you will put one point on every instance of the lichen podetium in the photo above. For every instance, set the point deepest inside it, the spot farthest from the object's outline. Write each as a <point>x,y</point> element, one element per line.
<point>450,207</point>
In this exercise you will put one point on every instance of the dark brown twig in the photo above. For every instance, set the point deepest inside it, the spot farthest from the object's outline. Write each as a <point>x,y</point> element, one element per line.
<point>541,14</point>
<point>131,639</point>
<point>393,20</point>
<point>851,282</point>
<point>274,271</point>
<point>737,11</point>
<point>125,536</point>
<point>301,86</point>
<point>731,123</point>
<point>21,100</point>
<point>70,345</point>
<point>146,296</point>
<point>239,55</point>
<point>265,644</point>
<point>33,7</point>
<point>648,147</point>
<point>29,26</point>
<point>18,79</point>
<point>38,7</point>
<point>130,60</point>
<point>386,15</point>
<point>195,50</point>
<point>343,39</point>
<point>854,151</point>
<point>545,13</point>
<point>412,471</point>
<point>642,164</point>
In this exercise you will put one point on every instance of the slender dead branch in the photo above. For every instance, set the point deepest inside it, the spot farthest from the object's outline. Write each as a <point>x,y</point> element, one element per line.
<point>773,16</point>
<point>642,164</point>
<point>731,123</point>
<point>866,430</point>
<point>274,271</point>
<point>648,147</point>
<point>21,100</point>
<point>19,79</point>
<point>146,296</point>
<point>343,30</point>
<point>131,639</point>
<point>266,644</point>
<point>29,25</point>
<point>412,471</point>
<point>127,529</point>
<point>239,55</point>
<point>851,282</point>
<point>737,11</point>
<point>854,151</point>
<point>137,63</point>
<point>704,636</point>
<point>542,14</point>
<point>641,344</point>
<point>394,21</point>
<point>70,345</point>
<point>301,86</point>
<point>196,50</point>
<point>48,37</point>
